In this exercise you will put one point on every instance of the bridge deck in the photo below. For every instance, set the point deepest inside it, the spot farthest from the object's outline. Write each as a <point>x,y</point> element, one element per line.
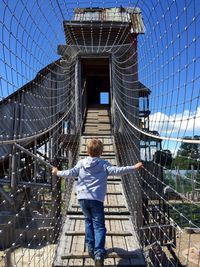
<point>121,241</point>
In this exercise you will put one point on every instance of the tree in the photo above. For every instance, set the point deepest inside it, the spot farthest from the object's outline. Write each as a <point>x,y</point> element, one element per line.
<point>188,155</point>
<point>163,157</point>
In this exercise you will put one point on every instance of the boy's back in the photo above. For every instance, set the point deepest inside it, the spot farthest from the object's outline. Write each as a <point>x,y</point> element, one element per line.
<point>92,178</point>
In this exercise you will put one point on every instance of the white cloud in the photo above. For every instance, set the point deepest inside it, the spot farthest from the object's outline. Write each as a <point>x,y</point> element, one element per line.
<point>176,125</point>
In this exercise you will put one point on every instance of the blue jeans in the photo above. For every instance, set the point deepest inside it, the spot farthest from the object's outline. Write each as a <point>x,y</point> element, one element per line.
<point>95,231</point>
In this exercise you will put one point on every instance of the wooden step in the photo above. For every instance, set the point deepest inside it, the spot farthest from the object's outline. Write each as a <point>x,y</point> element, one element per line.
<point>107,218</point>
<point>98,124</point>
<point>114,182</point>
<point>104,154</point>
<point>102,122</point>
<point>106,150</point>
<point>104,137</point>
<point>116,179</point>
<point>118,213</point>
<point>105,206</point>
<point>114,255</point>
<point>108,157</point>
<point>105,145</point>
<point>103,127</point>
<point>111,193</point>
<point>95,135</point>
<point>109,179</point>
<point>108,233</point>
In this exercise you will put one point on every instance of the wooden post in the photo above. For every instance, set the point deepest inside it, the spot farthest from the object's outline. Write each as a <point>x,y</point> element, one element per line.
<point>56,197</point>
<point>35,161</point>
<point>13,149</point>
<point>193,182</point>
<point>56,181</point>
<point>77,95</point>
<point>176,181</point>
<point>183,187</point>
<point>14,169</point>
<point>111,100</point>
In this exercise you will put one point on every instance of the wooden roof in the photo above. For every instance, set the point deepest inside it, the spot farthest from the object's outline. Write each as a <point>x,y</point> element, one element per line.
<point>96,33</point>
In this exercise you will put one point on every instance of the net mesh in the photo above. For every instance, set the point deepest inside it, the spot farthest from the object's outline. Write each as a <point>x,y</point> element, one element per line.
<point>153,48</point>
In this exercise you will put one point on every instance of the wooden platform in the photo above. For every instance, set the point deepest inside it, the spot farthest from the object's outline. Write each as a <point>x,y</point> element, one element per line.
<point>121,240</point>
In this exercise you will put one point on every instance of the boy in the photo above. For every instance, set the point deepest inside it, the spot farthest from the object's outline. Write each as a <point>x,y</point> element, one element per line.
<point>91,187</point>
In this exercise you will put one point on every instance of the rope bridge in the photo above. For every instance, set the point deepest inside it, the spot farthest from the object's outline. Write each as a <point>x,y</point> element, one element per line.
<point>137,59</point>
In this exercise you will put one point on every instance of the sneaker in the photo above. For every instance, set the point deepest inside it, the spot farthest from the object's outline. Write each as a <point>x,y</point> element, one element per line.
<point>91,253</point>
<point>99,261</point>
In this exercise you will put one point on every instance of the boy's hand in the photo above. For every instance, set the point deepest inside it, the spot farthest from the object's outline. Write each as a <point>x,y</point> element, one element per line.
<point>138,165</point>
<point>54,171</point>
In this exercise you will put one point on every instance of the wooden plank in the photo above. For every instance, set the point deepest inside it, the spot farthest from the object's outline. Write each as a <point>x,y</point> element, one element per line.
<point>114,193</point>
<point>64,244</point>
<point>105,206</point>
<point>110,154</point>
<point>120,199</point>
<point>111,202</point>
<point>73,198</point>
<point>106,144</point>
<point>119,243</point>
<point>109,245</point>
<point>109,261</point>
<point>114,255</point>
<point>118,213</point>
<point>107,218</point>
<point>133,244</point>
<point>88,262</point>
<point>77,246</point>
<point>115,205</point>
<point>111,233</point>
<point>105,153</point>
<point>130,242</point>
<point>100,137</point>
<point>106,200</point>
<point>111,180</point>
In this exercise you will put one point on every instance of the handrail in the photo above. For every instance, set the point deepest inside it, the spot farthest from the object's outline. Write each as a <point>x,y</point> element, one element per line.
<point>190,141</point>
<point>33,155</point>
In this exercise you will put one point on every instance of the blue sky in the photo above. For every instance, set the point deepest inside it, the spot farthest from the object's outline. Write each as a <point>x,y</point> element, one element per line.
<point>169,57</point>
<point>168,52</point>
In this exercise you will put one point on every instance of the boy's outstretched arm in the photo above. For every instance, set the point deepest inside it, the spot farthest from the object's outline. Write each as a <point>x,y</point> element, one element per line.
<point>54,171</point>
<point>74,172</point>
<point>138,165</point>
<point>117,171</point>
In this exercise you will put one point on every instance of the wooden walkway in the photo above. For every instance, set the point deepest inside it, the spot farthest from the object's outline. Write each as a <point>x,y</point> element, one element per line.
<point>121,241</point>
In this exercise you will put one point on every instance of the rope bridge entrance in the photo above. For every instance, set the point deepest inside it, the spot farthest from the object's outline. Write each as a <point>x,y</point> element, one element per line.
<point>137,60</point>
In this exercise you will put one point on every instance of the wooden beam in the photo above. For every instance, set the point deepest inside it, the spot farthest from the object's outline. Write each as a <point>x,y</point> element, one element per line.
<point>114,218</point>
<point>105,206</point>
<point>108,233</point>
<point>33,155</point>
<point>119,213</point>
<point>27,184</point>
<point>115,255</point>
<point>111,193</point>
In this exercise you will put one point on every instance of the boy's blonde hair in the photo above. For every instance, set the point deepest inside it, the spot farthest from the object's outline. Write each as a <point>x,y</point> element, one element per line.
<point>94,147</point>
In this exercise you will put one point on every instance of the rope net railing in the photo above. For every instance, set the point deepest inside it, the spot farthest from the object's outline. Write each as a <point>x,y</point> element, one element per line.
<point>37,131</point>
<point>154,90</point>
<point>163,131</point>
